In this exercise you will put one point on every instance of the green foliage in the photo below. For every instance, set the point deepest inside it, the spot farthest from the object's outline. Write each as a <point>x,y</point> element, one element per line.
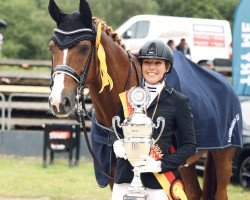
<point>211,9</point>
<point>30,25</point>
<point>113,12</point>
<point>26,35</point>
<point>116,12</point>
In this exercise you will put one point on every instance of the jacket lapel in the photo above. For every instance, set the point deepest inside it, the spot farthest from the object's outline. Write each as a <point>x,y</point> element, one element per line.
<point>164,94</point>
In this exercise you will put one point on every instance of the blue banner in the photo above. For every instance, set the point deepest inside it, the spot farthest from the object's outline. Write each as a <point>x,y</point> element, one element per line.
<point>241,48</point>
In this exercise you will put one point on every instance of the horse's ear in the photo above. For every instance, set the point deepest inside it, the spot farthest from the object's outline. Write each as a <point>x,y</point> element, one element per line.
<point>55,12</point>
<point>86,13</point>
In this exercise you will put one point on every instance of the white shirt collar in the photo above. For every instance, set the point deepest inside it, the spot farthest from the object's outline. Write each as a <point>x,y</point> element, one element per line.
<point>154,90</point>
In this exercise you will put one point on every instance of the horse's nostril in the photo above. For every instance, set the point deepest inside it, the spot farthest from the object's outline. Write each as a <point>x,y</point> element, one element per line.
<point>54,107</point>
<point>50,100</point>
<point>66,102</point>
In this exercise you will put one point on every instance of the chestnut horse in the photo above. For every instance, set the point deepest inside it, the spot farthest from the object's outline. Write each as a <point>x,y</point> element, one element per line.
<point>81,47</point>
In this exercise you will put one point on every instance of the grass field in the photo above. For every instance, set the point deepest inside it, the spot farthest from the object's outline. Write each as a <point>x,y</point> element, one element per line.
<point>24,178</point>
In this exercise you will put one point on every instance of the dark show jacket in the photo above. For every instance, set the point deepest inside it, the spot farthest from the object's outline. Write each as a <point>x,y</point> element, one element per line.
<point>174,107</point>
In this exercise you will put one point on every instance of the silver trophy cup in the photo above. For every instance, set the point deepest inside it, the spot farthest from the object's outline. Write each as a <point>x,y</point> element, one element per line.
<point>137,130</point>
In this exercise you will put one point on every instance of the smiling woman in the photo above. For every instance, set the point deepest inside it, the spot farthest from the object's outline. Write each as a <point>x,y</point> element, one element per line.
<point>156,60</point>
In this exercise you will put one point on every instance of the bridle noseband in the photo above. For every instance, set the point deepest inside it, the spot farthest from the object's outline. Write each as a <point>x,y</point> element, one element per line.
<point>66,70</point>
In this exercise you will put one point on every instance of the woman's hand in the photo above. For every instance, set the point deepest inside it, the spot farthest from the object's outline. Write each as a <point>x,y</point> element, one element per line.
<point>148,164</point>
<point>119,149</point>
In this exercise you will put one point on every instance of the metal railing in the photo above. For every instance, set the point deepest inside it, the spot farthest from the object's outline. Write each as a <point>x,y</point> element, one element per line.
<point>23,106</point>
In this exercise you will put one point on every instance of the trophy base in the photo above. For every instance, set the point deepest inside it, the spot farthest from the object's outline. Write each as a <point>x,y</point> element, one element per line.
<point>135,196</point>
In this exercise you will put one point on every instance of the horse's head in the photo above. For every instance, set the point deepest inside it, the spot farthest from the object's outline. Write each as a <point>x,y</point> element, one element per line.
<point>72,48</point>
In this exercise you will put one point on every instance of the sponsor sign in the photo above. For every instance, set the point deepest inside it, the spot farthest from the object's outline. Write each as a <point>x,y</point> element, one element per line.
<point>241,49</point>
<point>209,40</point>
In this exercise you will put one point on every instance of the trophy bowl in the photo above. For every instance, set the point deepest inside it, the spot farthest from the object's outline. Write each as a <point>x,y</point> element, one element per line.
<point>137,130</point>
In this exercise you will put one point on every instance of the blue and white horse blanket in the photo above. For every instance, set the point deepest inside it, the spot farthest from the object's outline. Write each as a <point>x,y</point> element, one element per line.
<point>214,104</point>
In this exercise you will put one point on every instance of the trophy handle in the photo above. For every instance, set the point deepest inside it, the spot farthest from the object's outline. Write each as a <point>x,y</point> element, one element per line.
<point>162,121</point>
<point>114,120</point>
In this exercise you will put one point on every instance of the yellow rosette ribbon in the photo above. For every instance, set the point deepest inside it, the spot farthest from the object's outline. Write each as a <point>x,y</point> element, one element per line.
<point>106,79</point>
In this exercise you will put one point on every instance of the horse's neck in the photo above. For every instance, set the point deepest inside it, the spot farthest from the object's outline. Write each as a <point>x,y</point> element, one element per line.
<point>107,103</point>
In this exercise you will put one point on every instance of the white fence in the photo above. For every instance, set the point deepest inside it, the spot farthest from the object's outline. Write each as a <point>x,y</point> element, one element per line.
<point>28,110</point>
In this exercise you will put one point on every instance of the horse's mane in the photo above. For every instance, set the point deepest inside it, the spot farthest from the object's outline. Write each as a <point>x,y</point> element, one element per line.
<point>110,32</point>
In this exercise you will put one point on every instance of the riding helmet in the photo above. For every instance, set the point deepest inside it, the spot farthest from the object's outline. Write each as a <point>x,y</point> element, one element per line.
<point>156,49</point>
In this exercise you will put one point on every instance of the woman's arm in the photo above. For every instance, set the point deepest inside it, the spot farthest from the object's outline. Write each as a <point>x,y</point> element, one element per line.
<point>185,137</point>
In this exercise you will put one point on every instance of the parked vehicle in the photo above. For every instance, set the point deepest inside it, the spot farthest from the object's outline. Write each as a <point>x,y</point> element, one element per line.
<point>241,160</point>
<point>207,38</point>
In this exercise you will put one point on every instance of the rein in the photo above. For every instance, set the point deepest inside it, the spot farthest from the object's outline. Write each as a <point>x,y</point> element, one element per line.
<point>82,113</point>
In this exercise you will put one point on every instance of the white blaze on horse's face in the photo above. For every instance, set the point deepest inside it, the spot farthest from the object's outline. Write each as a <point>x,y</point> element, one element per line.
<point>65,53</point>
<point>56,93</point>
<point>56,96</point>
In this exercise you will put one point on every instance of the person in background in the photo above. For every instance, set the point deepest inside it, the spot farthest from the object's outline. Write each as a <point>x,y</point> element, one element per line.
<point>156,59</point>
<point>207,64</point>
<point>171,44</point>
<point>183,47</point>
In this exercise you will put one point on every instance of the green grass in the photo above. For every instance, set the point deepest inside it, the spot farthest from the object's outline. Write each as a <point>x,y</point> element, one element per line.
<point>25,178</point>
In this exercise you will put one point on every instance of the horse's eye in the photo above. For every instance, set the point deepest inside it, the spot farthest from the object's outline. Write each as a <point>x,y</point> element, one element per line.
<point>51,46</point>
<point>84,49</point>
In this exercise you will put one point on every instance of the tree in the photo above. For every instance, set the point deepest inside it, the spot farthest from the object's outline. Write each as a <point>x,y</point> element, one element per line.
<point>211,9</point>
<point>116,12</point>
<point>27,33</point>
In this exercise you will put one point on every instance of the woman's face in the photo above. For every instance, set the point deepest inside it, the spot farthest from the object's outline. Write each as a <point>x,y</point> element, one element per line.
<point>153,70</point>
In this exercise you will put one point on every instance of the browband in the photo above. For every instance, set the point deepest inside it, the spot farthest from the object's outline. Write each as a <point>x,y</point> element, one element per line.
<point>72,32</point>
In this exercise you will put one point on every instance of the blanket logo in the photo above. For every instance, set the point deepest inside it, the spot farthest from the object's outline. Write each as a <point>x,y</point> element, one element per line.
<point>230,132</point>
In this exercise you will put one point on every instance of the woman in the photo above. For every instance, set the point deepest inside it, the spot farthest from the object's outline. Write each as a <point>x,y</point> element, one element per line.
<point>156,59</point>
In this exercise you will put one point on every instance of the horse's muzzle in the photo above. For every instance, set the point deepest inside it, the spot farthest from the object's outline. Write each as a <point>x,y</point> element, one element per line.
<point>60,108</point>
